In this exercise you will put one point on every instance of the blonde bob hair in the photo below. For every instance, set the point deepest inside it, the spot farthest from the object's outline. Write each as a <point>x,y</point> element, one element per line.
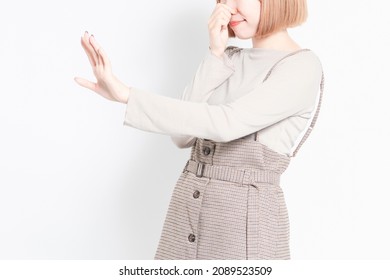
<point>276,15</point>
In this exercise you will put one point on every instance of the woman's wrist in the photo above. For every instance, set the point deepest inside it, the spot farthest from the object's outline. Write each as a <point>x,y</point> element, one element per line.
<point>125,95</point>
<point>218,54</point>
<point>122,91</point>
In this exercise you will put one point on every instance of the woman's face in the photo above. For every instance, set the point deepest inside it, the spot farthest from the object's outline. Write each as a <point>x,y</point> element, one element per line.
<point>248,14</point>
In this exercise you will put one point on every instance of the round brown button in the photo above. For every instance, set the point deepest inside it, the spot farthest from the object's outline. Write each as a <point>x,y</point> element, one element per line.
<point>191,237</point>
<point>206,150</point>
<point>196,194</point>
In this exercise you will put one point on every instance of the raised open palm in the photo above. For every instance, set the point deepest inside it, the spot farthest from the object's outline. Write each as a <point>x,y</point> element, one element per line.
<point>107,85</point>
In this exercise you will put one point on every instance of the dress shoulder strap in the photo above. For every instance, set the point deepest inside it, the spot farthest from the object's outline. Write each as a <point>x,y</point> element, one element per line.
<point>277,62</point>
<point>308,131</point>
<point>230,50</point>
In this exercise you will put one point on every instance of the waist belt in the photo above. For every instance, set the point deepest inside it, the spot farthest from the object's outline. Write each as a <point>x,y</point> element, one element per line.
<point>232,174</point>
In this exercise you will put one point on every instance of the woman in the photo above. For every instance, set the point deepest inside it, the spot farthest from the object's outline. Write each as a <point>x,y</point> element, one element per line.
<point>245,114</point>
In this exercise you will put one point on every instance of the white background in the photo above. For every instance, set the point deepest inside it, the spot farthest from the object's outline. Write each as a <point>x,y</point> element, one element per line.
<point>75,183</point>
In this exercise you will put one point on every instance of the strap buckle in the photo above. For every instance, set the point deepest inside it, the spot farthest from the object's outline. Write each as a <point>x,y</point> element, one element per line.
<point>199,169</point>
<point>185,167</point>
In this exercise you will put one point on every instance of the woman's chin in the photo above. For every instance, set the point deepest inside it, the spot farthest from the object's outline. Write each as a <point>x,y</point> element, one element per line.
<point>243,36</point>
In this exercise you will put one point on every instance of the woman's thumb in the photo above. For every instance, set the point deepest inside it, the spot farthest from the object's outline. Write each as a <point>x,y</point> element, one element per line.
<point>84,83</point>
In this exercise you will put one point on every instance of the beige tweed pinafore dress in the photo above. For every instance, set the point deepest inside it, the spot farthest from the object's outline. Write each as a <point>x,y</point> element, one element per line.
<point>228,203</point>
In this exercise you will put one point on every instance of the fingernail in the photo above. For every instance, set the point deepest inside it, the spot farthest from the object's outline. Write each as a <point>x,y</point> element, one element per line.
<point>86,32</point>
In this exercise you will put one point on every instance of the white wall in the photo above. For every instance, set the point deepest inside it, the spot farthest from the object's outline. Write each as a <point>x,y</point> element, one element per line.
<point>77,184</point>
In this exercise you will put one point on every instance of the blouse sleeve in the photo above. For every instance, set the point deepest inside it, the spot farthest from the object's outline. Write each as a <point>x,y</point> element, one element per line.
<point>211,73</point>
<point>290,90</point>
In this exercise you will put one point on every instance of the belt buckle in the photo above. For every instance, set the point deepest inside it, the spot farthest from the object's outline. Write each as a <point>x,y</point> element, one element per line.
<point>199,168</point>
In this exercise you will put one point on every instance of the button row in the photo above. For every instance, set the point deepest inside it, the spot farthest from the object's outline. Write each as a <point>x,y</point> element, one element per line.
<point>196,194</point>
<point>191,237</point>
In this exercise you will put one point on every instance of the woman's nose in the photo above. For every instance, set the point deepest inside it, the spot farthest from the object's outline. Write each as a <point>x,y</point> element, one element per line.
<point>230,3</point>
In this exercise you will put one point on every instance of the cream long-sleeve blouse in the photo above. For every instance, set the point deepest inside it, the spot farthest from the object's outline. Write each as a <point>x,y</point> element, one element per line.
<point>227,99</point>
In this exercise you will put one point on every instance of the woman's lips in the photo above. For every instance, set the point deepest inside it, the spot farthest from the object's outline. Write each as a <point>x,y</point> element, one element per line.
<point>234,23</point>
